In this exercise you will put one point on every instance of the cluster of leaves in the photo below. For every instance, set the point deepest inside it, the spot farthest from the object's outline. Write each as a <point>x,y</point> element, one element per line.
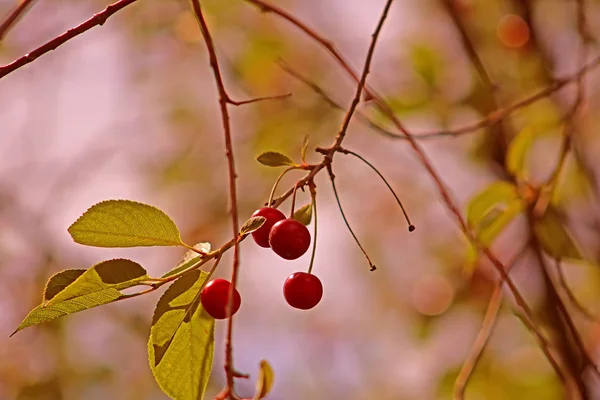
<point>491,210</point>
<point>181,343</point>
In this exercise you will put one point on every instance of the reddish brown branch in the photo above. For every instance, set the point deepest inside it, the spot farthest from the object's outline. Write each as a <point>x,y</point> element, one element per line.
<point>223,101</point>
<point>13,16</point>
<point>97,19</point>
<point>242,102</point>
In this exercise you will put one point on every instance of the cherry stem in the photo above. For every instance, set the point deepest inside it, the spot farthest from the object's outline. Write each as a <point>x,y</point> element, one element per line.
<point>411,227</point>
<point>337,199</point>
<point>277,183</point>
<point>294,200</point>
<point>313,194</point>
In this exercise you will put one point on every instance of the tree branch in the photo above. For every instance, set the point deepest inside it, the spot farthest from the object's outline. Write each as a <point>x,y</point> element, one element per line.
<point>223,101</point>
<point>97,19</point>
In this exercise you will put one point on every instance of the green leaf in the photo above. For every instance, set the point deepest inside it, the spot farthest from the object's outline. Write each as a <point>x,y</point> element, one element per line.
<point>75,290</point>
<point>189,258</point>
<point>493,198</point>
<point>488,213</point>
<point>304,214</point>
<point>251,225</point>
<point>518,149</point>
<point>265,381</point>
<point>554,238</point>
<point>181,345</point>
<point>124,223</point>
<point>274,159</point>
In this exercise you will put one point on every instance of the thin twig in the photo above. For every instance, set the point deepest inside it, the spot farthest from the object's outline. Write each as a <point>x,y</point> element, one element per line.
<point>97,19</point>
<point>13,16</point>
<point>223,101</point>
<point>240,103</point>
<point>372,266</point>
<point>313,196</point>
<point>487,326</point>
<point>411,227</point>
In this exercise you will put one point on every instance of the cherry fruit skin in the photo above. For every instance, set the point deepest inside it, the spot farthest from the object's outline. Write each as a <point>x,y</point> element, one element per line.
<point>215,296</point>
<point>272,216</point>
<point>302,290</point>
<point>289,239</point>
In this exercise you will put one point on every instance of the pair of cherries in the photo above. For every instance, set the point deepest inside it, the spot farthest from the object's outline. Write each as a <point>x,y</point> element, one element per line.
<point>289,239</point>
<point>301,290</point>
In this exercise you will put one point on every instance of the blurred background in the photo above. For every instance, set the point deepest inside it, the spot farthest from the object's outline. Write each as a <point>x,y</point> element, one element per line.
<point>129,110</point>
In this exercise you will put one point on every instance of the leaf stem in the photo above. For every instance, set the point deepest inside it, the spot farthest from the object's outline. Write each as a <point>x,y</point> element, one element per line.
<point>294,200</point>
<point>313,194</point>
<point>285,171</point>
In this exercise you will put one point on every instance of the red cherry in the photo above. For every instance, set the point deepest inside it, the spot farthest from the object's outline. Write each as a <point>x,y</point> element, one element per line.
<point>215,296</point>
<point>272,215</point>
<point>289,239</point>
<point>302,290</point>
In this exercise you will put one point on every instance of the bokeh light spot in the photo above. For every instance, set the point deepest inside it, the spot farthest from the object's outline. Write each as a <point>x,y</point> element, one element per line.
<point>432,295</point>
<point>513,31</point>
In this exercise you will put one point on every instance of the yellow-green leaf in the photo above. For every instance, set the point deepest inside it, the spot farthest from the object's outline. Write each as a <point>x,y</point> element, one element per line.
<point>181,344</point>
<point>102,281</point>
<point>265,381</point>
<point>304,214</point>
<point>189,258</point>
<point>274,159</point>
<point>488,213</point>
<point>493,198</point>
<point>554,238</point>
<point>251,225</point>
<point>71,291</point>
<point>124,223</point>
<point>517,152</point>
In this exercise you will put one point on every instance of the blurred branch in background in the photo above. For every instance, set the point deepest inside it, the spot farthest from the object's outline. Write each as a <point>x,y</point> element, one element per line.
<point>487,326</point>
<point>13,16</point>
